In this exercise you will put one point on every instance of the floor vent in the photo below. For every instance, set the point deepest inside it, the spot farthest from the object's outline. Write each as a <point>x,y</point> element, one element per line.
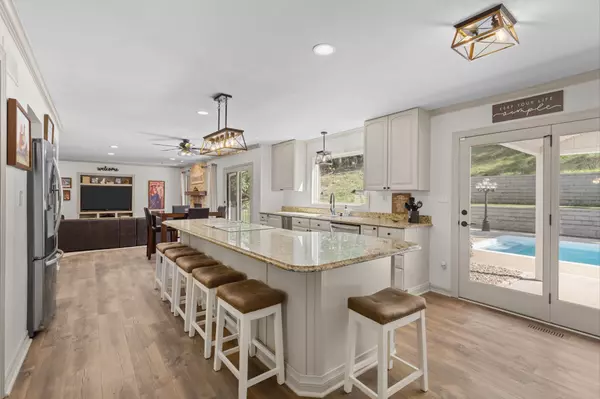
<point>546,330</point>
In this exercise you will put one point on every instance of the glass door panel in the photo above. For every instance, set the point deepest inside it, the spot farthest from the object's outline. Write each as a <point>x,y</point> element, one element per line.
<point>576,254</point>
<point>245,196</point>
<point>239,194</point>
<point>504,206</point>
<point>232,196</point>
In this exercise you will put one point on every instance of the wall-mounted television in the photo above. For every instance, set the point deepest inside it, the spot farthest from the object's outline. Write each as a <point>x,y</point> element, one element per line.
<point>105,198</point>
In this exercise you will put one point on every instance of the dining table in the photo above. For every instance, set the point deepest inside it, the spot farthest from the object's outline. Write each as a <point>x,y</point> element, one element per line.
<point>164,216</point>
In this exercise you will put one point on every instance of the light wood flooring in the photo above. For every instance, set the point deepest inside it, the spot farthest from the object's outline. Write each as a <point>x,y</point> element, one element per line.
<point>114,338</point>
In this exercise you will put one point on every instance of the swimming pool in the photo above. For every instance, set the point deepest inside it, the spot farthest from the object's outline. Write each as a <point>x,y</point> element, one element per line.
<point>569,251</point>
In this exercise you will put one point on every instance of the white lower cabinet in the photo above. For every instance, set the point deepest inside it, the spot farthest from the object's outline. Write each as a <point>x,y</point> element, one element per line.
<point>298,228</point>
<point>368,230</point>
<point>319,225</point>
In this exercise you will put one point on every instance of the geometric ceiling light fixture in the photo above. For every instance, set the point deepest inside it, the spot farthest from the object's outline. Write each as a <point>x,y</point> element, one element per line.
<point>224,141</point>
<point>485,33</point>
<point>324,157</point>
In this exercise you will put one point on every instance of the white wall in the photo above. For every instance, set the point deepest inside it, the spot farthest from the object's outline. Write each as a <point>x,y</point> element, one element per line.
<point>30,92</point>
<point>262,196</point>
<point>171,177</point>
<point>578,97</point>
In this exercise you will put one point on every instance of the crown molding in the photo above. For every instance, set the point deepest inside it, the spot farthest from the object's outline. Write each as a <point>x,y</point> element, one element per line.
<point>10,16</point>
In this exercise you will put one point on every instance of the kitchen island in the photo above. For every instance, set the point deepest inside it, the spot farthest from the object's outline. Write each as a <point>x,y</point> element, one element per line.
<point>318,271</point>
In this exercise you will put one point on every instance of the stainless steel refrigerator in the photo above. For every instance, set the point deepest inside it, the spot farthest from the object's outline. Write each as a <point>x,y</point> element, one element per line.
<point>44,204</point>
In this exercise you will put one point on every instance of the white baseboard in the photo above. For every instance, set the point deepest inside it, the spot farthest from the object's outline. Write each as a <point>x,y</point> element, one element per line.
<point>420,289</point>
<point>13,369</point>
<point>440,290</point>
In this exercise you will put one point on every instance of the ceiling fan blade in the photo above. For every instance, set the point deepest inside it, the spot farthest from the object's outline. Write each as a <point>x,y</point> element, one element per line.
<point>166,145</point>
<point>170,149</point>
<point>162,136</point>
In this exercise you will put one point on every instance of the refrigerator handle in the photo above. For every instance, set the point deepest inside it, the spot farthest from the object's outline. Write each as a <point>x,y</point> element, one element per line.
<point>60,199</point>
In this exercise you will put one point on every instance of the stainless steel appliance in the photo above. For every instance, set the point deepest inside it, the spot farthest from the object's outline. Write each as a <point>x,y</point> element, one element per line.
<point>44,205</point>
<point>345,228</point>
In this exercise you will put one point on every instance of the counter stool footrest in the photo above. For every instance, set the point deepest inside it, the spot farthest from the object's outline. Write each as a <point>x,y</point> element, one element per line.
<point>259,345</point>
<point>365,389</point>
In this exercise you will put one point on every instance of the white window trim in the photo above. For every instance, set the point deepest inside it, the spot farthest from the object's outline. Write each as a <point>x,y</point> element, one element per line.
<point>315,194</point>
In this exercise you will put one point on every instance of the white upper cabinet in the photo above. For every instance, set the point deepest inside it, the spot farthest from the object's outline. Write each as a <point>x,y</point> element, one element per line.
<point>375,157</point>
<point>397,152</point>
<point>288,164</point>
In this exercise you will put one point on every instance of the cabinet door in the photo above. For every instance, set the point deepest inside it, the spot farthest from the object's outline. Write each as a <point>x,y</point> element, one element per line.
<point>375,158</point>
<point>282,166</point>
<point>403,150</point>
<point>416,263</point>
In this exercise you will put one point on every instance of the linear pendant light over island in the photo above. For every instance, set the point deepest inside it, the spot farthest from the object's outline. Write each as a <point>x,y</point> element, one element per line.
<point>226,141</point>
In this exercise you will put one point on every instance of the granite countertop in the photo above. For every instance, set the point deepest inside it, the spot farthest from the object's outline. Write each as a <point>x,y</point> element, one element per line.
<point>293,250</point>
<point>357,220</point>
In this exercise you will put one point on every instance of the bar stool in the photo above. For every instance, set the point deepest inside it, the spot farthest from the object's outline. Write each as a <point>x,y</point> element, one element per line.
<point>185,266</point>
<point>247,301</point>
<point>384,312</point>
<point>206,280</point>
<point>169,271</point>
<point>160,249</point>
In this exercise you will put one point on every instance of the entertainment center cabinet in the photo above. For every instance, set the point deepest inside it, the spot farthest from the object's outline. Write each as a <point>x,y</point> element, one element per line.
<point>105,196</point>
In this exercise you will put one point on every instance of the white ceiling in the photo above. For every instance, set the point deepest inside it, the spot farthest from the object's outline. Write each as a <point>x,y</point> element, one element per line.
<point>116,68</point>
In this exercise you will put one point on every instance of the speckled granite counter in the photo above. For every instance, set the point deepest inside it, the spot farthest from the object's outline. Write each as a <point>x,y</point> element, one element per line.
<point>357,220</point>
<point>293,250</point>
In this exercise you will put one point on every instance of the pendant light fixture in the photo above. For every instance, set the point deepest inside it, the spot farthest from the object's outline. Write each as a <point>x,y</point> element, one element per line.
<point>224,141</point>
<point>324,157</point>
<point>485,33</point>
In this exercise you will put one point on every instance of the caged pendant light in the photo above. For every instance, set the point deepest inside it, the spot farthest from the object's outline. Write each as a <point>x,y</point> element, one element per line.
<point>486,33</point>
<point>324,157</point>
<point>224,141</point>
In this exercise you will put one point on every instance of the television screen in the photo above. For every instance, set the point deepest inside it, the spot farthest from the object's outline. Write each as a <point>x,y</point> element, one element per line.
<point>108,198</point>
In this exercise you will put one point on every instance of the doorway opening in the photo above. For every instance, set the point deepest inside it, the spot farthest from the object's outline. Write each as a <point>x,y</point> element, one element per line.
<point>238,183</point>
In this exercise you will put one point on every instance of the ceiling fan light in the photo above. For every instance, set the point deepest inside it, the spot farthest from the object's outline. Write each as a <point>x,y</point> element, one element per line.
<point>486,33</point>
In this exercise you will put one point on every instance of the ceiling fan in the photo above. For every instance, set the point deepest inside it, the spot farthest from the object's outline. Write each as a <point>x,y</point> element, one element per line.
<point>185,148</point>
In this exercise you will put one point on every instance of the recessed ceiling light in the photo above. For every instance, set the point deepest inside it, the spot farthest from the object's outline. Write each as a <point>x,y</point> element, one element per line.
<point>171,159</point>
<point>114,146</point>
<point>111,153</point>
<point>202,112</point>
<point>323,49</point>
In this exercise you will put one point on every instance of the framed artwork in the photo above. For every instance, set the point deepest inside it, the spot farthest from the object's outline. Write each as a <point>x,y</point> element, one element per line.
<point>156,194</point>
<point>18,141</point>
<point>66,182</point>
<point>66,195</point>
<point>95,180</point>
<point>48,129</point>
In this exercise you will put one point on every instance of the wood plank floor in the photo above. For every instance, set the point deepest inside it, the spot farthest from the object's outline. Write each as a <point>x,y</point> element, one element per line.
<point>114,338</point>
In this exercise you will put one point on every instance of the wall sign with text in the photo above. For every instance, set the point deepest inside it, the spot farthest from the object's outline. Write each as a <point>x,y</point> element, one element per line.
<point>107,169</point>
<point>526,107</point>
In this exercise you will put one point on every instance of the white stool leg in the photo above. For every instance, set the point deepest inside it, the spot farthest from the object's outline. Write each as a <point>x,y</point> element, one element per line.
<point>176,295</point>
<point>244,339</point>
<point>192,315</point>
<point>350,353</point>
<point>391,348</point>
<point>189,305</point>
<point>253,332</point>
<point>164,279</point>
<point>382,364</point>
<point>219,338</point>
<point>210,304</point>
<point>279,360</point>
<point>157,271</point>
<point>422,337</point>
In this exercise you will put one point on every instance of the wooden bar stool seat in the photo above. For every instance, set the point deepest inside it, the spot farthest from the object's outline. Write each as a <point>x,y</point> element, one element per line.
<point>384,312</point>
<point>185,265</point>
<point>160,249</point>
<point>249,301</point>
<point>206,280</point>
<point>169,271</point>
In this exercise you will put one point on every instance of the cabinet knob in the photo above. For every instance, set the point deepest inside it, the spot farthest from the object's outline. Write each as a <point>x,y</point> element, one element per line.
<point>389,234</point>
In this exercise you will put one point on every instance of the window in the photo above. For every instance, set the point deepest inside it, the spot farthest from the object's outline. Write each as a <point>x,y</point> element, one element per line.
<point>344,178</point>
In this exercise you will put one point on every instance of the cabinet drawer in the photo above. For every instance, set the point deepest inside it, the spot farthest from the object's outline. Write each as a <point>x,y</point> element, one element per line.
<point>301,222</point>
<point>297,228</point>
<point>369,230</point>
<point>320,225</point>
<point>386,232</point>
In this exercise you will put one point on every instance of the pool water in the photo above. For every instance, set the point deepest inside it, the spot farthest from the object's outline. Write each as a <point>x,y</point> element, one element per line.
<point>569,251</point>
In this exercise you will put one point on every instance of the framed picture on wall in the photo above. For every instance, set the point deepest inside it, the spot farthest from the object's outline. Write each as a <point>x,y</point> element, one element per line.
<point>156,194</point>
<point>48,129</point>
<point>66,195</point>
<point>18,142</point>
<point>66,182</point>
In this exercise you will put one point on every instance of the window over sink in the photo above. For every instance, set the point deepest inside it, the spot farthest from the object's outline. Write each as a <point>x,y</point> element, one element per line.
<point>344,178</point>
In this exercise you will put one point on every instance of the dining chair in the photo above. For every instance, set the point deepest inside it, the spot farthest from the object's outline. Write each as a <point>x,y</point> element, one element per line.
<point>180,208</point>
<point>151,229</point>
<point>198,213</point>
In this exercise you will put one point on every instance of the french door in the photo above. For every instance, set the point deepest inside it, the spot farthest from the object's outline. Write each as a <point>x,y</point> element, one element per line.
<point>239,193</point>
<point>530,222</point>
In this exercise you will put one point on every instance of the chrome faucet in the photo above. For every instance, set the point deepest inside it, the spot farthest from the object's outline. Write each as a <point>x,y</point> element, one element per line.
<point>332,204</point>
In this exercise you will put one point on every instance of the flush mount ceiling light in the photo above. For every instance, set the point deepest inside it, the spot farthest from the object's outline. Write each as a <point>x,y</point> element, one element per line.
<point>114,146</point>
<point>324,157</point>
<point>485,33</point>
<point>323,49</point>
<point>111,153</point>
<point>202,112</point>
<point>224,141</point>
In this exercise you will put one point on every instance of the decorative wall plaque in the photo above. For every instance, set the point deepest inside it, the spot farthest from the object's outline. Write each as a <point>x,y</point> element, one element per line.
<point>527,107</point>
<point>107,169</point>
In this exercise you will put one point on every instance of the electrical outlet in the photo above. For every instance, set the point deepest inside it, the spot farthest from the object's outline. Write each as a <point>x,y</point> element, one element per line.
<point>444,265</point>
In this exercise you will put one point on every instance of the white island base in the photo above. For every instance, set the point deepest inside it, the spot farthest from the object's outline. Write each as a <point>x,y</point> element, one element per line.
<point>315,314</point>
